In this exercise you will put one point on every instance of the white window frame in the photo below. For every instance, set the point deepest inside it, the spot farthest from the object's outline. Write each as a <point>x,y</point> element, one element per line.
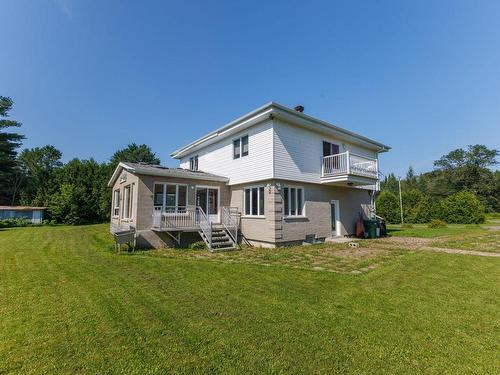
<point>128,202</point>
<point>116,203</point>
<point>287,210</point>
<point>193,163</point>
<point>240,143</point>
<point>261,211</point>
<point>164,195</point>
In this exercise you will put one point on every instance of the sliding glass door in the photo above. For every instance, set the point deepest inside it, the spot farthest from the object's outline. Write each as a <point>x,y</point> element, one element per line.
<point>208,199</point>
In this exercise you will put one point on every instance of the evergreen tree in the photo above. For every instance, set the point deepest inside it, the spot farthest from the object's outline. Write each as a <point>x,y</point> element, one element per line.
<point>9,143</point>
<point>135,154</point>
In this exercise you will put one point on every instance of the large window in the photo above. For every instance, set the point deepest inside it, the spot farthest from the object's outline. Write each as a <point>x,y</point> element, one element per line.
<point>240,147</point>
<point>293,201</point>
<point>116,203</point>
<point>193,163</point>
<point>128,192</point>
<point>170,197</point>
<point>254,201</point>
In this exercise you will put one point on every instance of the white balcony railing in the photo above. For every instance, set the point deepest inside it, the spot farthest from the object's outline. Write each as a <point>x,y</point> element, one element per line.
<point>348,163</point>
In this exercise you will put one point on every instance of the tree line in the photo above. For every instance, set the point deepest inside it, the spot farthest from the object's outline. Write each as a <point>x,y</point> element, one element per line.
<point>460,189</point>
<point>75,192</point>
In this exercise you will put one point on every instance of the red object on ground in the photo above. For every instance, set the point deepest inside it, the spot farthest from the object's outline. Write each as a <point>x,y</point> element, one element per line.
<point>360,229</point>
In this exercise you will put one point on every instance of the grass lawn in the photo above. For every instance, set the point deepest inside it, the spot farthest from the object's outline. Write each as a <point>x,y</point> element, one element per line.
<point>484,237</point>
<point>422,231</point>
<point>69,304</point>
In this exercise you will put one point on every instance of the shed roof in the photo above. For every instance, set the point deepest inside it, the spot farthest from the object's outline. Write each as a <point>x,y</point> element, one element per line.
<point>21,208</point>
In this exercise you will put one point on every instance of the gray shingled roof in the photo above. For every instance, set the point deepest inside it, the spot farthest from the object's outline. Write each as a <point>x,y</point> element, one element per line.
<point>159,170</point>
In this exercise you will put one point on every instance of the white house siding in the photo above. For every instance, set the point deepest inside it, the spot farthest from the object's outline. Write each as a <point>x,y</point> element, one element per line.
<point>218,157</point>
<point>298,152</point>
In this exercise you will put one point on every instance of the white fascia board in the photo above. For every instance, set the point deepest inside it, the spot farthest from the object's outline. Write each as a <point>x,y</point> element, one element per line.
<point>274,109</point>
<point>309,122</point>
<point>117,172</point>
<point>234,126</point>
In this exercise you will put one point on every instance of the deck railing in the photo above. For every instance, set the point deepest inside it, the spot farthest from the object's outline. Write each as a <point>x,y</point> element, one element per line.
<point>174,217</point>
<point>230,221</point>
<point>205,225</point>
<point>349,163</point>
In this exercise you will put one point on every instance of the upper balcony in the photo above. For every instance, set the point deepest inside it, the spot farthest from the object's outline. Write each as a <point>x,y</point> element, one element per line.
<point>349,169</point>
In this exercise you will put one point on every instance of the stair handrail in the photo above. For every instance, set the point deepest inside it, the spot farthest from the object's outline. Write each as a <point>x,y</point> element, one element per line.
<point>205,225</point>
<point>230,222</point>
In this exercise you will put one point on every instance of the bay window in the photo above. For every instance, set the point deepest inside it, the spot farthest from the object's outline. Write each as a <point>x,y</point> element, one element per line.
<point>254,201</point>
<point>293,201</point>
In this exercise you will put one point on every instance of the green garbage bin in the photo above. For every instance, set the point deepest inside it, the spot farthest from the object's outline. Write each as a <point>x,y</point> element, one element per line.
<point>371,228</point>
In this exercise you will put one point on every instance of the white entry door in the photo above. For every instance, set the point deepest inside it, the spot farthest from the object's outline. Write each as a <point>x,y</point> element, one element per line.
<point>208,199</point>
<point>335,214</point>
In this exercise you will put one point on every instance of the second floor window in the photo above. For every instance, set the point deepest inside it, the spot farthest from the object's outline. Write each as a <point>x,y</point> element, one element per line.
<point>193,163</point>
<point>240,147</point>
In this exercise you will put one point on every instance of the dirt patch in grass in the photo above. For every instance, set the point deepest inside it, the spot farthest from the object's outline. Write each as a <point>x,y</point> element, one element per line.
<point>492,227</point>
<point>338,258</point>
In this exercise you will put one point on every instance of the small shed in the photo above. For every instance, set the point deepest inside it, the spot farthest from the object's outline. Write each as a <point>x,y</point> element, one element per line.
<point>34,214</point>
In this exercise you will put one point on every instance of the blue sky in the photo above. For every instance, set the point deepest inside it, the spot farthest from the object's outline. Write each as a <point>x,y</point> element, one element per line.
<point>90,76</point>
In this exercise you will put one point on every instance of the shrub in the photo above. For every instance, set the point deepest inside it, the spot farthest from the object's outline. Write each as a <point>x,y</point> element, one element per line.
<point>388,207</point>
<point>11,223</point>
<point>436,223</point>
<point>462,208</point>
<point>198,245</point>
<point>411,205</point>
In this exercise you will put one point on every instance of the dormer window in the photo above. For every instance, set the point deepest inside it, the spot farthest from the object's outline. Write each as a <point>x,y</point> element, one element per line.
<point>240,147</point>
<point>193,163</point>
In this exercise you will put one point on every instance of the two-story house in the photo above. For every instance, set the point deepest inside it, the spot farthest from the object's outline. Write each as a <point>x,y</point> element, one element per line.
<point>271,177</point>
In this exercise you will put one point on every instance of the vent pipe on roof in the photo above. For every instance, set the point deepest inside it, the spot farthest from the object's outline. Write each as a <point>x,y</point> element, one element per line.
<point>299,108</point>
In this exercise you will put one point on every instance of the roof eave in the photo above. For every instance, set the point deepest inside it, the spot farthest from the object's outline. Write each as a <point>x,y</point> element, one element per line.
<point>279,110</point>
<point>252,117</point>
<point>163,173</point>
<point>294,117</point>
<point>117,171</point>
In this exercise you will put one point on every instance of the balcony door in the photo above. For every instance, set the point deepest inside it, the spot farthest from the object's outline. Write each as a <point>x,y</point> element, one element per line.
<point>330,149</point>
<point>332,165</point>
<point>208,199</point>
